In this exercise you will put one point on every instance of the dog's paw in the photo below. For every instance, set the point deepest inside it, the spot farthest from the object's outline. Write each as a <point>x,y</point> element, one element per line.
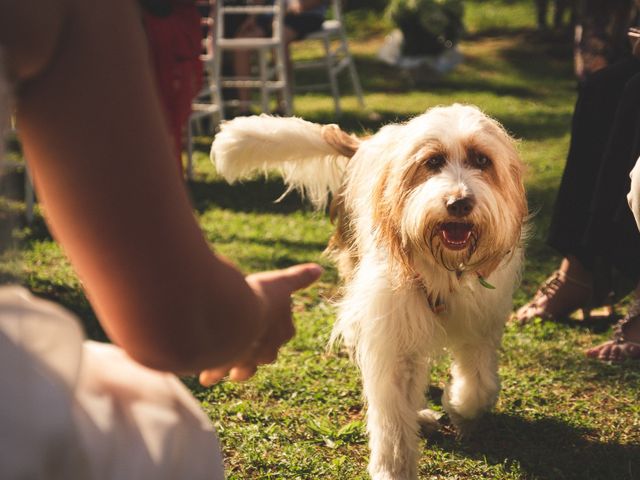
<point>429,421</point>
<point>465,427</point>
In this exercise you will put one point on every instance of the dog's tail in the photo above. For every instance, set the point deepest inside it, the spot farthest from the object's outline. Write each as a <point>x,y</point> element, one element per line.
<point>311,157</point>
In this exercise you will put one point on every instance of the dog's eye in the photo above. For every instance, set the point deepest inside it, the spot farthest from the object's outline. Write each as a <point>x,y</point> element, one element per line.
<point>481,161</point>
<point>435,162</point>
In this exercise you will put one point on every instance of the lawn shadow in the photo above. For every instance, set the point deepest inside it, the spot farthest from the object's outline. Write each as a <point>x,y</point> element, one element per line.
<point>362,123</point>
<point>538,125</point>
<point>538,58</point>
<point>306,246</point>
<point>277,262</point>
<point>250,196</point>
<point>546,448</point>
<point>541,199</point>
<point>378,77</point>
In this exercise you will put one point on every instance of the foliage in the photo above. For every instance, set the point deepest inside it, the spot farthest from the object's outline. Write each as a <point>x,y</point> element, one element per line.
<point>428,26</point>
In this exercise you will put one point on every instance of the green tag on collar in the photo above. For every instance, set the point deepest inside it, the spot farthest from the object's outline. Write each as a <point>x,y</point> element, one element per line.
<point>485,284</point>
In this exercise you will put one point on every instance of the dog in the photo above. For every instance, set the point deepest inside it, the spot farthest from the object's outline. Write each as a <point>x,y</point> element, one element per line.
<point>429,218</point>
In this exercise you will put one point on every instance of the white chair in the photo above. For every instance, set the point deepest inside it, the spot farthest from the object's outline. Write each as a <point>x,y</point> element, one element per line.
<point>337,58</point>
<point>271,79</point>
<point>207,103</point>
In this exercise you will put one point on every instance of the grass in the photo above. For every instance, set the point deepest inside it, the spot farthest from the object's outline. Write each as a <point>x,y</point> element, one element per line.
<point>560,416</point>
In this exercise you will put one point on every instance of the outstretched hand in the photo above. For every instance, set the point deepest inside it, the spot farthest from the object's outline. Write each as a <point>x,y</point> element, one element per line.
<point>274,290</point>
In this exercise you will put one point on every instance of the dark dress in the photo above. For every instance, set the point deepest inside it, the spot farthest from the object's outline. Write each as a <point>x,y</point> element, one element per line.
<point>591,219</point>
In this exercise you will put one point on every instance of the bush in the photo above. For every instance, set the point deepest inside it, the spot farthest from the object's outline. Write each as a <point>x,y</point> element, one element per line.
<point>428,26</point>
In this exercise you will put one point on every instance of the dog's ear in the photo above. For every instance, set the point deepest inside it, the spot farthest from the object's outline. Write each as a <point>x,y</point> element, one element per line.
<point>347,145</point>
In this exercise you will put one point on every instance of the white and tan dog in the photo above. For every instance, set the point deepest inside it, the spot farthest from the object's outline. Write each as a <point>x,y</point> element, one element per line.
<point>429,217</point>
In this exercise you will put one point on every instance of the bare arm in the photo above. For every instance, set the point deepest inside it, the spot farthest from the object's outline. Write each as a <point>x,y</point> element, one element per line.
<point>95,138</point>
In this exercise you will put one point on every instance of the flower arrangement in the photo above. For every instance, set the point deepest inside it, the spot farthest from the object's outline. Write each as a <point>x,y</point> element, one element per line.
<point>428,26</point>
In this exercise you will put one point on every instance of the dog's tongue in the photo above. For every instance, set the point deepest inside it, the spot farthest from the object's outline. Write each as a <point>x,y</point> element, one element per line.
<point>456,232</point>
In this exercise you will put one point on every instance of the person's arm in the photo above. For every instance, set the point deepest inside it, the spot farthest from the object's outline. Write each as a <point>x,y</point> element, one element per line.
<point>96,141</point>
<point>29,33</point>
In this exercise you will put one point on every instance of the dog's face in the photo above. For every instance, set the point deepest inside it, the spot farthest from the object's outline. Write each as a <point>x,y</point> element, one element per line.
<point>448,190</point>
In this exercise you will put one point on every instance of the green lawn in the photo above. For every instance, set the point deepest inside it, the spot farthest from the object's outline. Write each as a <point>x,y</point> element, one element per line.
<point>560,415</point>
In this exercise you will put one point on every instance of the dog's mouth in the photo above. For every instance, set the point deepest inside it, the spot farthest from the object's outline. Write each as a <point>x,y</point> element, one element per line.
<point>455,235</point>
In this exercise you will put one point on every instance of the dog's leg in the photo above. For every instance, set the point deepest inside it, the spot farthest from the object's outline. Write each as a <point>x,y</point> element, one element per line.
<point>394,387</point>
<point>392,336</point>
<point>474,384</point>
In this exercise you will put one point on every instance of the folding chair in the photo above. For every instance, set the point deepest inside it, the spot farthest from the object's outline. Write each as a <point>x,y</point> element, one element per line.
<point>271,79</point>
<point>336,59</point>
<point>207,103</point>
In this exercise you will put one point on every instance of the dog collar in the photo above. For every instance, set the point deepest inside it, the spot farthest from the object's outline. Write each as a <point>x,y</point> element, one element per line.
<point>435,302</point>
<point>437,306</point>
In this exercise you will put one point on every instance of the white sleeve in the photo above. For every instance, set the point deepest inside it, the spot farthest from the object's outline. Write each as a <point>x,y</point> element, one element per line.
<point>633,197</point>
<point>76,409</point>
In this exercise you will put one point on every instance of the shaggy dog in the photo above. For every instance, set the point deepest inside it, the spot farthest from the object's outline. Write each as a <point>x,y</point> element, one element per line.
<point>429,216</point>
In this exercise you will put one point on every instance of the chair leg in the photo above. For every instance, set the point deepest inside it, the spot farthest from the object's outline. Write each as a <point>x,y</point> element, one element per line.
<point>355,80</point>
<point>281,74</point>
<point>356,83</point>
<point>264,91</point>
<point>288,99</point>
<point>217,78</point>
<point>331,71</point>
<point>197,127</point>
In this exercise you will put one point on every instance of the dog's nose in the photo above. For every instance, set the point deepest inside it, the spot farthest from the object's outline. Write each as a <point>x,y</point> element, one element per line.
<point>460,207</point>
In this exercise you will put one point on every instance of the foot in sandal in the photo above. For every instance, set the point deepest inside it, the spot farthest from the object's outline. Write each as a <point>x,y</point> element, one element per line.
<point>565,291</point>
<point>626,339</point>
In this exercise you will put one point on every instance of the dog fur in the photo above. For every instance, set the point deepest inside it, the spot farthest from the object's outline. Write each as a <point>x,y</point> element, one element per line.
<point>429,216</point>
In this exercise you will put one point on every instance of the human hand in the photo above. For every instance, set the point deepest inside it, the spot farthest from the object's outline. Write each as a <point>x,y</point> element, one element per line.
<point>633,197</point>
<point>274,290</point>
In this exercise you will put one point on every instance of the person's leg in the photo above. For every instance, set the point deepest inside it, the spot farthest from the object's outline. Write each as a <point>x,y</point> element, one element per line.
<point>242,68</point>
<point>571,286</point>
<point>302,24</point>
<point>296,27</point>
<point>602,38</point>
<point>592,123</point>
<point>542,7</point>
<point>242,59</point>
<point>623,149</point>
<point>612,230</point>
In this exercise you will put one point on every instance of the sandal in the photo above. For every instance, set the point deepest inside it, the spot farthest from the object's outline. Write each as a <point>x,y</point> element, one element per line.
<point>558,297</point>
<point>621,347</point>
